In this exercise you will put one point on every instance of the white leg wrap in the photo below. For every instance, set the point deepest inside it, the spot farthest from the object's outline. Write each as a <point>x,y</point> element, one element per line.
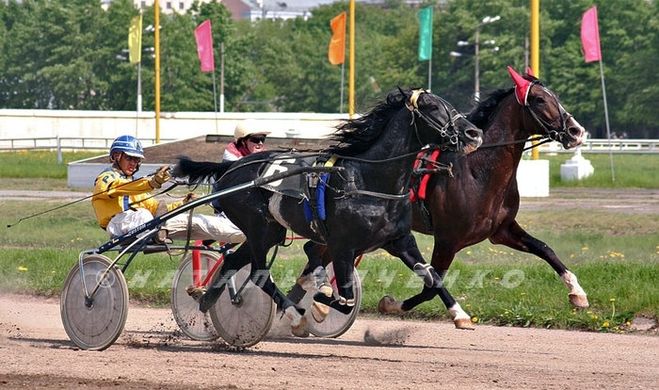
<point>461,320</point>
<point>572,284</point>
<point>577,295</point>
<point>457,313</point>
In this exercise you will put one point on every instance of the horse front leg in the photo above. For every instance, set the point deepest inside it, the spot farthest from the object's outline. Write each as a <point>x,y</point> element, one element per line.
<point>515,237</point>
<point>260,275</point>
<point>407,250</point>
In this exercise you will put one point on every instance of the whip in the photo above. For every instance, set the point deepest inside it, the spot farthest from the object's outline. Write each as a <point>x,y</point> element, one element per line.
<point>77,201</point>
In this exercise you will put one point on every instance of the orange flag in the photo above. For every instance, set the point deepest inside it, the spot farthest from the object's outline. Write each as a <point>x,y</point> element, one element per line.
<point>337,46</point>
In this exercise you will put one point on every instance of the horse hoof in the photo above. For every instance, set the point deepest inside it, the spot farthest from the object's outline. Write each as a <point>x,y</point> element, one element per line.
<point>464,323</point>
<point>195,292</point>
<point>301,329</point>
<point>388,305</point>
<point>326,290</point>
<point>579,301</point>
<point>319,311</point>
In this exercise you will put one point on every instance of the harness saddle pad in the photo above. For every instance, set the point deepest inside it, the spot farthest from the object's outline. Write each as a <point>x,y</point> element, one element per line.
<point>294,186</point>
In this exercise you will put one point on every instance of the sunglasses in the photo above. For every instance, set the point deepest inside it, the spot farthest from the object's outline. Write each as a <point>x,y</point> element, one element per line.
<point>257,139</point>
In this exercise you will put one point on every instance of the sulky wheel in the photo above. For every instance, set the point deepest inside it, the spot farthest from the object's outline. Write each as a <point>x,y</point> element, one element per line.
<point>243,320</point>
<point>336,323</point>
<point>193,323</point>
<point>94,322</point>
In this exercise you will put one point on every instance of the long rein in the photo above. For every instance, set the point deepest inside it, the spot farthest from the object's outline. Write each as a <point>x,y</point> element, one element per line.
<point>542,140</point>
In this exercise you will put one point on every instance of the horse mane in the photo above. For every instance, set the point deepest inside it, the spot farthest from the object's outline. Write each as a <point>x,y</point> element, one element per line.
<point>357,135</point>
<point>480,116</point>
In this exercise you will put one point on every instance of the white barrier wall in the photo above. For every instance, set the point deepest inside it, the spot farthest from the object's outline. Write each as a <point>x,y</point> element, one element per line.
<point>173,125</point>
<point>533,177</point>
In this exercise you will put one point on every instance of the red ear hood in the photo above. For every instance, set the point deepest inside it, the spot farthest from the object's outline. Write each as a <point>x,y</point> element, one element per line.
<point>522,86</point>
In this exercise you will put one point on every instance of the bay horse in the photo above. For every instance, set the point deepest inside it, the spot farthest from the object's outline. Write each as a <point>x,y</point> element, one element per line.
<point>482,200</point>
<point>366,207</point>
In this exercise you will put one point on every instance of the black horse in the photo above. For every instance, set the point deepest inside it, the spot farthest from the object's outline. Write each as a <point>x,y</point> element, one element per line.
<point>366,206</point>
<point>482,200</point>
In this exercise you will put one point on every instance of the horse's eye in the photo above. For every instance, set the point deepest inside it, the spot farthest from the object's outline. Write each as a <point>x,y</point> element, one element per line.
<point>540,100</point>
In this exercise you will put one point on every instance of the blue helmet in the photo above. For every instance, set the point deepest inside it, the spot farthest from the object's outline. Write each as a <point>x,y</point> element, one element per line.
<point>127,144</point>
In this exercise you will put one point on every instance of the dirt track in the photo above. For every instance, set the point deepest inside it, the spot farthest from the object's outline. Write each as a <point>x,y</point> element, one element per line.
<point>151,353</point>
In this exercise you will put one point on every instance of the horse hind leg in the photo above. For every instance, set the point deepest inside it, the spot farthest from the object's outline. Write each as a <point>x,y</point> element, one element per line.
<point>517,238</point>
<point>407,250</point>
<point>343,271</point>
<point>295,315</point>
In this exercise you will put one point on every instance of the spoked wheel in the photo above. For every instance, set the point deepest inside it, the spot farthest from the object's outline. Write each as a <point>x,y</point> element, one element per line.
<point>96,322</point>
<point>244,319</point>
<point>336,323</point>
<point>193,323</point>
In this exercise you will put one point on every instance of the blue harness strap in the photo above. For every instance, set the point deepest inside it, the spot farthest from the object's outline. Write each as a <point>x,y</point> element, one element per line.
<point>319,198</point>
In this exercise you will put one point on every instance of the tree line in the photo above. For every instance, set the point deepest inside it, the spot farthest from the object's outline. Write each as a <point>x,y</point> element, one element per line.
<point>67,54</point>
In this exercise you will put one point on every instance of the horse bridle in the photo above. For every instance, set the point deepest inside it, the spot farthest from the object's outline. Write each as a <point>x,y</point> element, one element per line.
<point>447,131</point>
<point>554,135</point>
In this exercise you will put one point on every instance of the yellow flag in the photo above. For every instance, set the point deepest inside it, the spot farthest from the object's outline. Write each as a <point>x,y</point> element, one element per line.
<point>135,40</point>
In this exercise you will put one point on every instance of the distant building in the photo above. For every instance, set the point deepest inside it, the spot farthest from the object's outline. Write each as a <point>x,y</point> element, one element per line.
<point>241,9</point>
<point>252,9</point>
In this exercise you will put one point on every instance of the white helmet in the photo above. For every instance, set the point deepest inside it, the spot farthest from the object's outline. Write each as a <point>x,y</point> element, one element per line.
<point>248,127</point>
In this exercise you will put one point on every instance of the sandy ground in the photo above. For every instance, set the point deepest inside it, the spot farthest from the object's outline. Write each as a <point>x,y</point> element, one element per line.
<point>375,354</point>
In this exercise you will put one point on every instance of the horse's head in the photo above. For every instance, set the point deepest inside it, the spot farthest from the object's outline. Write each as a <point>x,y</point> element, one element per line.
<point>546,110</point>
<point>440,123</point>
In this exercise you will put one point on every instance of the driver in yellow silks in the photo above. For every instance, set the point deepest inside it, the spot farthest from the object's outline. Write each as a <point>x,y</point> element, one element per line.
<point>122,203</point>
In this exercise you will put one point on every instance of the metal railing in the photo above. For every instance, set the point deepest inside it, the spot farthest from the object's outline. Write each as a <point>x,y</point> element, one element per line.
<point>597,145</point>
<point>63,143</point>
<point>88,143</point>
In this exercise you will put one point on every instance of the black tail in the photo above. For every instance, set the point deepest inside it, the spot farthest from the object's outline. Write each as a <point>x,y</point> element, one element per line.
<point>198,171</point>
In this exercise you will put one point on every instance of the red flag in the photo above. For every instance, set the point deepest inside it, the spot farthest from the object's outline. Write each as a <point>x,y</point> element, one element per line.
<point>337,46</point>
<point>590,36</point>
<point>204,38</point>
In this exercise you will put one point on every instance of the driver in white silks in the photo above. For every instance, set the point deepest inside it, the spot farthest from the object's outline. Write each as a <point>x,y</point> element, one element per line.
<point>122,203</point>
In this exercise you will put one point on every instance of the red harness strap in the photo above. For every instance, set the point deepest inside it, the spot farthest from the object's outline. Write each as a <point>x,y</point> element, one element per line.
<point>419,193</point>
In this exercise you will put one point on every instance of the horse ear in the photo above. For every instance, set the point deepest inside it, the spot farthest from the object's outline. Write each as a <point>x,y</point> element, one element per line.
<point>529,71</point>
<point>522,86</point>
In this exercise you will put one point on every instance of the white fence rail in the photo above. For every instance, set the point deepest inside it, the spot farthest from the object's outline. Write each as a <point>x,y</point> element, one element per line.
<point>87,143</point>
<point>63,143</point>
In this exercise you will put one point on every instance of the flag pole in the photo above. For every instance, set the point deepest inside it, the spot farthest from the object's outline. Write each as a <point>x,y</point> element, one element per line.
<point>343,78</point>
<point>221,80</point>
<point>430,72</point>
<point>156,22</point>
<point>215,100</point>
<point>351,70</point>
<point>139,97</point>
<point>606,119</point>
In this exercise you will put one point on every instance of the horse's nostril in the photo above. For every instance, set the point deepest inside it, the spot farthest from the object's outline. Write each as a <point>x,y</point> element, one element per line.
<point>575,132</point>
<point>474,133</point>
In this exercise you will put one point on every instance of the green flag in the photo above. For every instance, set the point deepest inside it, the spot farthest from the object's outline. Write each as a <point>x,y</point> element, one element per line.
<point>425,33</point>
